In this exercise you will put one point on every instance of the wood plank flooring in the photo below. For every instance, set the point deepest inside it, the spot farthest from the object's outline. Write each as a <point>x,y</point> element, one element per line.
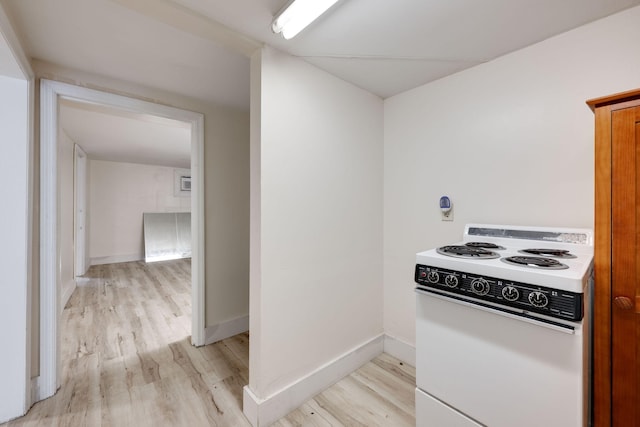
<point>127,360</point>
<point>380,393</point>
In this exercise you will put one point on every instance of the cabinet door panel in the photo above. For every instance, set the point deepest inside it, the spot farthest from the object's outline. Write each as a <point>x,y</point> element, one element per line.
<point>625,266</point>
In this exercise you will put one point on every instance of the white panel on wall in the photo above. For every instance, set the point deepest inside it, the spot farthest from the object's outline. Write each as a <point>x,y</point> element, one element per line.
<point>510,141</point>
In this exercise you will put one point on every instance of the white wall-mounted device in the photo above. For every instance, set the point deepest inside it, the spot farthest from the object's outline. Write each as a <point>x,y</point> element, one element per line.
<point>446,207</point>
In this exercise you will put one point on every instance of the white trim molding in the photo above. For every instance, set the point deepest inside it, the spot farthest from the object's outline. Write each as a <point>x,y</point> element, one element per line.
<point>226,329</point>
<point>400,350</point>
<point>197,230</point>
<point>48,383</point>
<point>80,202</point>
<point>114,259</point>
<point>50,93</point>
<point>263,412</point>
<point>67,291</point>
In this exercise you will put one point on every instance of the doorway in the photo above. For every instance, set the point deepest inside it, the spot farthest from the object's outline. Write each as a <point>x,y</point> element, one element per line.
<point>51,94</point>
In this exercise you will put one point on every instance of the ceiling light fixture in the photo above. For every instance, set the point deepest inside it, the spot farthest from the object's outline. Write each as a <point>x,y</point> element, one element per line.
<point>298,14</point>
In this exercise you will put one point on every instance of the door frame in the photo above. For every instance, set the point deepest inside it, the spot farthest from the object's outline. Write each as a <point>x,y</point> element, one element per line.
<point>80,211</point>
<point>50,93</point>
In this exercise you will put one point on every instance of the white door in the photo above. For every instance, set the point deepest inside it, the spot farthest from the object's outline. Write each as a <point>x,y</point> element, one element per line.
<point>80,181</point>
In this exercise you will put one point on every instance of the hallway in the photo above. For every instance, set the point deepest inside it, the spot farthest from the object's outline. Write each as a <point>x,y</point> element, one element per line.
<point>127,357</point>
<point>128,361</point>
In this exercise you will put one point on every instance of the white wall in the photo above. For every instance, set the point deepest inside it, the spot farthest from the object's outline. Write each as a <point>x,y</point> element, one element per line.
<point>66,261</point>
<point>119,194</point>
<point>14,229</point>
<point>316,290</point>
<point>226,185</point>
<point>510,141</point>
<point>227,227</point>
<point>16,166</point>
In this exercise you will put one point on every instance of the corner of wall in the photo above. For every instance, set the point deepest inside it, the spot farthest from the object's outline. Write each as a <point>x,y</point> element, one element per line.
<point>400,350</point>
<point>255,261</point>
<point>263,412</point>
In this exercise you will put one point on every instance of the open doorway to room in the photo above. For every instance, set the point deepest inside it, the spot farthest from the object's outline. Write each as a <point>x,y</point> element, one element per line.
<point>125,279</point>
<point>114,191</point>
<point>115,169</point>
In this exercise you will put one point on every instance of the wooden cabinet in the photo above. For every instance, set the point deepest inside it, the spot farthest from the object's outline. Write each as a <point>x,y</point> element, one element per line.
<point>616,340</point>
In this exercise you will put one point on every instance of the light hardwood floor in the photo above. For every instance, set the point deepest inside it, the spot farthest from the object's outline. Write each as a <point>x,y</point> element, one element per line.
<point>128,361</point>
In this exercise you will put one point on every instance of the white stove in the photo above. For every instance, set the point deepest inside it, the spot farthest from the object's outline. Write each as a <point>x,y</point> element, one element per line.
<point>502,328</point>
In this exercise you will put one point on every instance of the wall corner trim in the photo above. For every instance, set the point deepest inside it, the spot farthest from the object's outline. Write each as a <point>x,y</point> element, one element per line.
<point>226,329</point>
<point>263,412</point>
<point>400,350</point>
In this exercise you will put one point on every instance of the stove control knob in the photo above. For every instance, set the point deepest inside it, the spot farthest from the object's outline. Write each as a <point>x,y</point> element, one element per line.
<point>510,293</point>
<point>538,299</point>
<point>480,286</point>
<point>451,281</point>
<point>433,276</point>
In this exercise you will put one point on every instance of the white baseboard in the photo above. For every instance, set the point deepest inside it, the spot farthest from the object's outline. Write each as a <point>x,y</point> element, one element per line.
<point>67,291</point>
<point>225,330</point>
<point>115,259</point>
<point>263,412</point>
<point>400,350</point>
<point>35,390</point>
<point>251,407</point>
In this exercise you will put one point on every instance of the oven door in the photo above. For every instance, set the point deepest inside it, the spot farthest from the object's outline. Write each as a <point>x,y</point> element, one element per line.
<point>495,369</point>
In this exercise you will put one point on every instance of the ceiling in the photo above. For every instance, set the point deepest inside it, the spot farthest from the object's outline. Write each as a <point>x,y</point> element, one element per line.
<point>201,48</point>
<point>106,133</point>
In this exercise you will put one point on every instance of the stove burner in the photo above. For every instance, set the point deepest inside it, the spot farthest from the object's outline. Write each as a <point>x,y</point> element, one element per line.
<point>535,262</point>
<point>484,245</point>
<point>467,252</point>
<point>551,253</point>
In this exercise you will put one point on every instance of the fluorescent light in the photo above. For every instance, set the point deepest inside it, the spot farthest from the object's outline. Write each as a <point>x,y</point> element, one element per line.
<point>298,15</point>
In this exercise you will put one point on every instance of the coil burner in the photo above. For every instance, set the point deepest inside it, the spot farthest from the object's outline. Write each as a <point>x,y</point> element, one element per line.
<point>535,262</point>
<point>484,245</point>
<point>460,251</point>
<point>550,253</point>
